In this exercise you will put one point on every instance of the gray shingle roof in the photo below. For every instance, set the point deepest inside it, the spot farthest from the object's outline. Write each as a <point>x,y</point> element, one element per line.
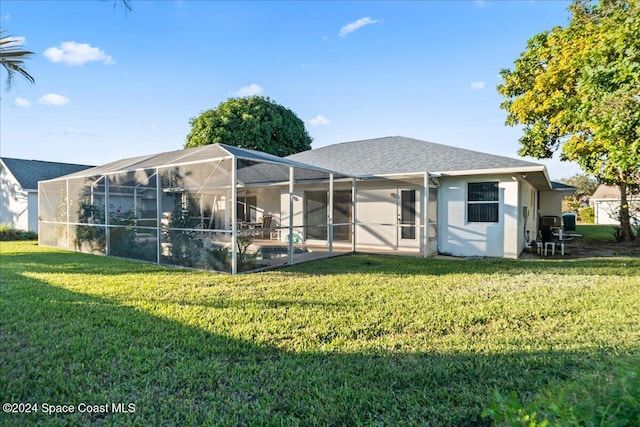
<point>29,172</point>
<point>562,187</point>
<point>191,155</point>
<point>398,155</point>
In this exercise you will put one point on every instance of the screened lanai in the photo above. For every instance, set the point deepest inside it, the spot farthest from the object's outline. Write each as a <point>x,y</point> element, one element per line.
<point>215,207</point>
<point>229,209</point>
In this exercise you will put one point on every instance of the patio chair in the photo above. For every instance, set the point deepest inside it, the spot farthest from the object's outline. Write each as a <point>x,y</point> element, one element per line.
<point>265,225</point>
<point>547,242</point>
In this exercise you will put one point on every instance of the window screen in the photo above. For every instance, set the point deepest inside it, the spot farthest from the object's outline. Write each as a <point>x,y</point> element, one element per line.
<point>482,202</point>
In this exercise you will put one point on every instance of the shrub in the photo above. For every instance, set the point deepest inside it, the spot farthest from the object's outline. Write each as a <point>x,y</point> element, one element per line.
<point>8,233</point>
<point>586,215</point>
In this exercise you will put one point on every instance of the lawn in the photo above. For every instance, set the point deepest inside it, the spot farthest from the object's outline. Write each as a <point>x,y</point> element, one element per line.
<point>353,340</point>
<point>596,232</point>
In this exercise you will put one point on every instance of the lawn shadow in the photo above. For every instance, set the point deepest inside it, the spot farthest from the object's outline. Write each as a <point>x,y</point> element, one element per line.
<point>408,266</point>
<point>64,347</point>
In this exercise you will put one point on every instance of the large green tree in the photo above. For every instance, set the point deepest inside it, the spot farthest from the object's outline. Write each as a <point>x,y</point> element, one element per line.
<point>577,89</point>
<point>585,185</point>
<point>252,122</point>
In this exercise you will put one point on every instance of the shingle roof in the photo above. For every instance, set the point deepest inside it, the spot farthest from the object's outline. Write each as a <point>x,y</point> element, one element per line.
<point>398,155</point>
<point>29,172</point>
<point>607,192</point>
<point>203,153</point>
<point>562,187</point>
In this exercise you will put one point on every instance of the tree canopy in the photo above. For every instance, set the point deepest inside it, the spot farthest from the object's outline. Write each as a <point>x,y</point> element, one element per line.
<point>252,122</point>
<point>585,185</point>
<point>577,89</point>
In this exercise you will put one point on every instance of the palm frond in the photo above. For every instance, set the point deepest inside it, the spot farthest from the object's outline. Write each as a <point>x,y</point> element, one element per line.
<point>12,57</point>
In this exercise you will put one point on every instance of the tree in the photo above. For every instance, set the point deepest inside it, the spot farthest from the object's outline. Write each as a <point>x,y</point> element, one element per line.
<point>12,58</point>
<point>252,122</point>
<point>578,89</point>
<point>585,187</point>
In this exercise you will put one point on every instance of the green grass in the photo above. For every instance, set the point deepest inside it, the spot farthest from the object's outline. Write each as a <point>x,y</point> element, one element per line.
<point>354,340</point>
<point>597,232</point>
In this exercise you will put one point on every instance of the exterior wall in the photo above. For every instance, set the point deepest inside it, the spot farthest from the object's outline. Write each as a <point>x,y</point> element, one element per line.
<point>377,214</point>
<point>459,237</point>
<point>33,211</point>
<point>14,202</point>
<point>269,202</point>
<point>605,210</point>
<point>551,203</point>
<point>528,224</point>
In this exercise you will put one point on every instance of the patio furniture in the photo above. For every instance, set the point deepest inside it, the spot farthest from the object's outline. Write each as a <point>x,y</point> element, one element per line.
<point>547,242</point>
<point>264,225</point>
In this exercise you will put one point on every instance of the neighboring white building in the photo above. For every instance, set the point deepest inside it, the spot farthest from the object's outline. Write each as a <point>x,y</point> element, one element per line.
<point>19,189</point>
<point>605,202</point>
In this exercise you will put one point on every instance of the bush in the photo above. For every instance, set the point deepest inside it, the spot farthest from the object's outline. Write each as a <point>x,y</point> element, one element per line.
<point>8,233</point>
<point>586,215</point>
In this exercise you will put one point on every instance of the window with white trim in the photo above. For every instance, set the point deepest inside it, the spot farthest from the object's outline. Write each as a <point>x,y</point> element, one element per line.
<point>482,202</point>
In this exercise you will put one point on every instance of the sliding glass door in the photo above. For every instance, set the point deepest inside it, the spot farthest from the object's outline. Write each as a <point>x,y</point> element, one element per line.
<point>316,216</point>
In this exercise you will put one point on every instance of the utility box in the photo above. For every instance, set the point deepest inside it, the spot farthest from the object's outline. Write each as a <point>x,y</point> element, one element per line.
<point>569,221</point>
<point>551,221</point>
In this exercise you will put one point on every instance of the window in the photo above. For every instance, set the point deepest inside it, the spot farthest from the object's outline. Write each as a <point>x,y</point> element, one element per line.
<point>408,214</point>
<point>482,202</point>
<point>246,208</point>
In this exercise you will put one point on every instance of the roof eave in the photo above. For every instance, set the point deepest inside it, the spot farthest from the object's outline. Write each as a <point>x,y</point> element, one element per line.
<point>543,184</point>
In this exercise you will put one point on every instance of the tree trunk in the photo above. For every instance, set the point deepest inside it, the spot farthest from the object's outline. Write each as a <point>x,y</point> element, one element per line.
<point>625,223</point>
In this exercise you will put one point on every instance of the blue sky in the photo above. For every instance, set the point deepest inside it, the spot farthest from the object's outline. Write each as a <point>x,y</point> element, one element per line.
<point>113,84</point>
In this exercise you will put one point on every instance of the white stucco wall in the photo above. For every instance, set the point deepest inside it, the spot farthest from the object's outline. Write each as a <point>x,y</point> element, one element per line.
<point>376,212</point>
<point>606,210</point>
<point>528,199</point>
<point>33,211</point>
<point>551,203</point>
<point>377,215</point>
<point>14,202</point>
<point>459,237</point>
<point>269,200</point>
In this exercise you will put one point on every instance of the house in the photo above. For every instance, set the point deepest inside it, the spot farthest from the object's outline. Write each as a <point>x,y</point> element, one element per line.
<point>19,189</point>
<point>481,204</point>
<point>230,209</point>
<point>606,202</point>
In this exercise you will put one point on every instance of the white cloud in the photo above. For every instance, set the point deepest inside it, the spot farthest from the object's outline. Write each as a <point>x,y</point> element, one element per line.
<point>6,17</point>
<point>478,85</point>
<point>22,103</point>
<point>72,53</point>
<point>76,131</point>
<point>355,25</point>
<point>251,90</point>
<point>53,99</point>
<point>319,120</point>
